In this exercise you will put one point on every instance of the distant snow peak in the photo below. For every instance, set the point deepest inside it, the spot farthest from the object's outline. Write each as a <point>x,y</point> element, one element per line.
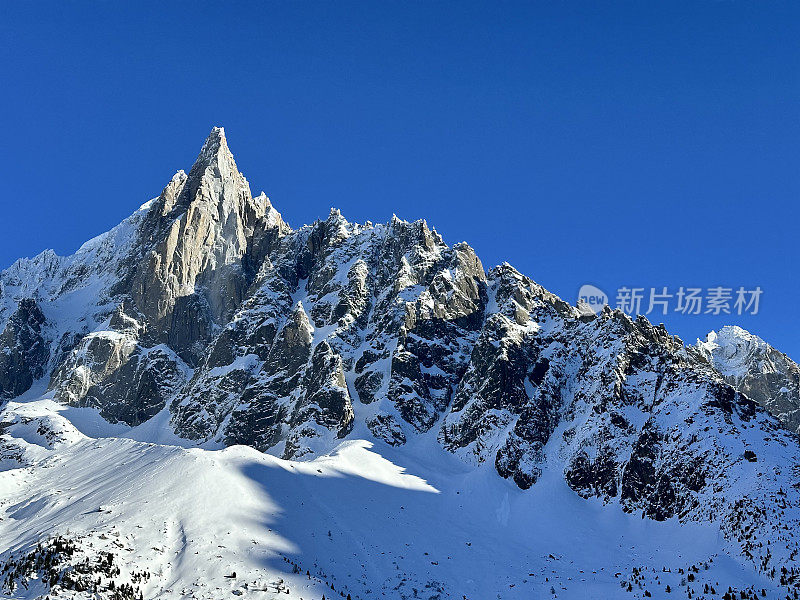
<point>757,369</point>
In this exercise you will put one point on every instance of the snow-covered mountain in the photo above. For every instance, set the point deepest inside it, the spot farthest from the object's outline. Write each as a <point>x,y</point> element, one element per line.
<point>205,401</point>
<point>758,370</point>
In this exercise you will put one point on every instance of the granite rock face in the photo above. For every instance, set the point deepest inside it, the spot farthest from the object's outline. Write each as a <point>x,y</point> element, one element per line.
<point>206,306</point>
<point>197,251</point>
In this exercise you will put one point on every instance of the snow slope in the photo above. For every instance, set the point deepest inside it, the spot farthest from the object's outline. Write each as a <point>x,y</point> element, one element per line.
<point>370,520</point>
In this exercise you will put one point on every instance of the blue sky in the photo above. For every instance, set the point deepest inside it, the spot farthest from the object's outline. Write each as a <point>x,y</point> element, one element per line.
<point>620,144</point>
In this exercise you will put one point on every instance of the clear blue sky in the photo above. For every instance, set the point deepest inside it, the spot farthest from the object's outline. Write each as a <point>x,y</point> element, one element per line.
<point>637,143</point>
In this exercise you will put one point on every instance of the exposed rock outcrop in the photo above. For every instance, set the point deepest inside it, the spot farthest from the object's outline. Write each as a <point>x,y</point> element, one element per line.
<point>24,353</point>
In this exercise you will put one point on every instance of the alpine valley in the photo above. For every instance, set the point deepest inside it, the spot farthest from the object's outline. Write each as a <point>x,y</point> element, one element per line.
<point>204,402</point>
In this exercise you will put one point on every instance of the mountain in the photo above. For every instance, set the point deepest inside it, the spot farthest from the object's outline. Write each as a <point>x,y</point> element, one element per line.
<point>362,409</point>
<point>758,370</point>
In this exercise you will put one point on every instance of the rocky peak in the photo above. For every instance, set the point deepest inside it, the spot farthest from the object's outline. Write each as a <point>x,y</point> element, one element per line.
<point>215,150</point>
<point>201,248</point>
<point>214,177</point>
